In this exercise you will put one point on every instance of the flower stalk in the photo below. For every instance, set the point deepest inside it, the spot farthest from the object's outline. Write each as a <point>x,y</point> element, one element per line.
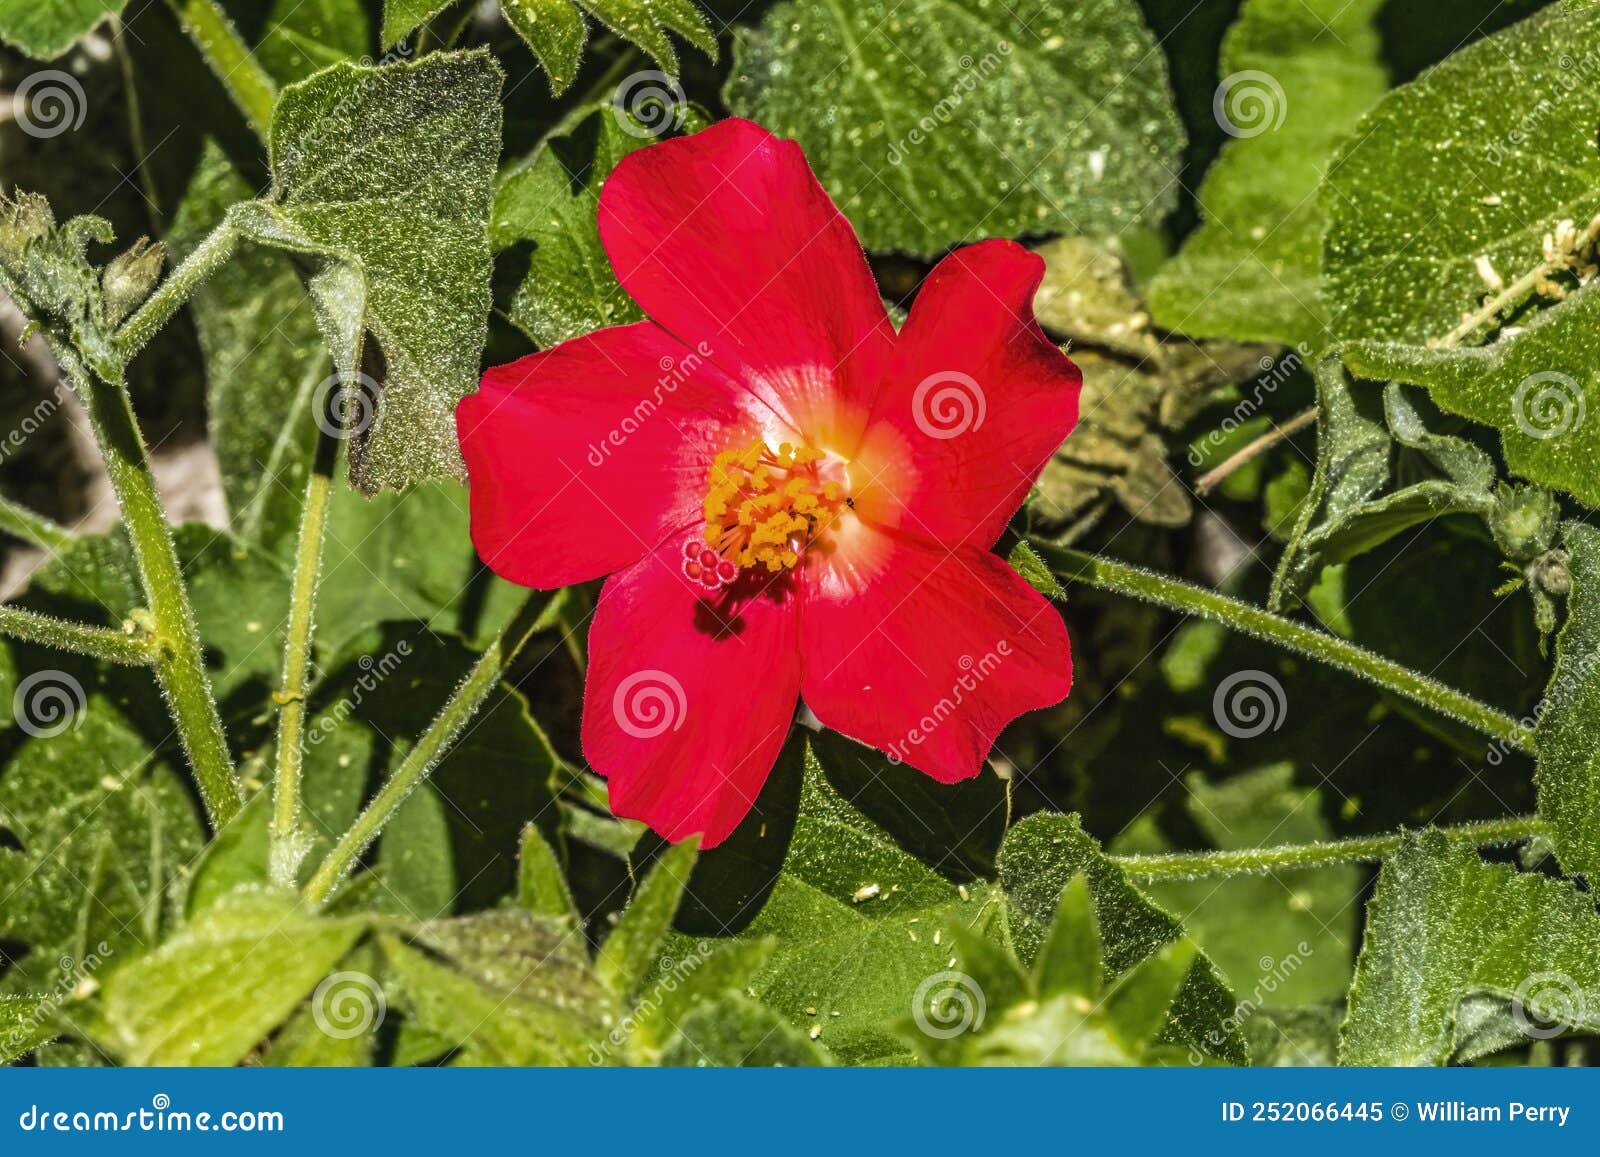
<point>1173,594</point>
<point>178,658</point>
<point>1358,849</point>
<point>288,845</point>
<point>431,746</point>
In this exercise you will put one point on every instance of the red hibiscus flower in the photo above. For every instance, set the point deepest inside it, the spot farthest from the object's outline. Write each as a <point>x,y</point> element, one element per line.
<point>792,500</point>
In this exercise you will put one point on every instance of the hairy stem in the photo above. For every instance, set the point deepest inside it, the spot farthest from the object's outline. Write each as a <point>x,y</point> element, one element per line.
<point>287,847</point>
<point>123,647</point>
<point>33,528</point>
<point>230,58</point>
<point>1135,582</point>
<point>429,749</point>
<point>211,255</point>
<point>1244,861</point>
<point>179,663</point>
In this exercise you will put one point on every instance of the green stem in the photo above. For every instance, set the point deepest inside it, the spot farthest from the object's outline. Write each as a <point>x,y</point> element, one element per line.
<point>230,58</point>
<point>33,528</point>
<point>208,257</point>
<point>179,663</point>
<point>287,846</point>
<point>1190,865</point>
<point>123,647</point>
<point>1135,582</point>
<point>430,747</point>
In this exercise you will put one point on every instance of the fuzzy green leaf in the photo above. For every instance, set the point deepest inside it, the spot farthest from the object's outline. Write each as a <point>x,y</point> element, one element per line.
<point>1568,731</point>
<point>624,959</point>
<point>211,993</point>
<point>410,257</point>
<point>100,829</point>
<point>1040,857</point>
<point>1297,76</point>
<point>1504,131</point>
<point>554,201</point>
<point>1540,388</point>
<point>1443,926</point>
<point>263,359</point>
<point>909,110</point>
<point>45,29</point>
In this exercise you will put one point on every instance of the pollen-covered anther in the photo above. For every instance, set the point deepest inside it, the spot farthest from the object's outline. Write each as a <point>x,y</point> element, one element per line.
<point>763,507</point>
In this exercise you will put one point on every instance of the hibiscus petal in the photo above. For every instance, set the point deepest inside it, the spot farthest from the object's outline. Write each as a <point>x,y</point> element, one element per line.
<point>726,237</point>
<point>581,458</point>
<point>927,653</point>
<point>688,700</point>
<point>979,398</point>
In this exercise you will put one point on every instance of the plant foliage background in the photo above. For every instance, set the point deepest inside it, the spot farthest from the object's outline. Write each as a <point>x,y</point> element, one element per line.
<point>1326,265</point>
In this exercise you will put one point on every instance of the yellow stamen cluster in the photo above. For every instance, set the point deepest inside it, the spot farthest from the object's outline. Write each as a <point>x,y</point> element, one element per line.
<point>762,505</point>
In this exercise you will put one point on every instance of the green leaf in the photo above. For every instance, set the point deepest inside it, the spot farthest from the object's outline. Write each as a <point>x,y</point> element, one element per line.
<point>455,840</point>
<point>1297,75</point>
<point>993,1011</point>
<point>263,361</point>
<point>624,959</point>
<point>305,36</point>
<point>1040,857</point>
<point>406,556</point>
<point>1537,387</point>
<point>1568,731</point>
<point>736,1031</point>
<point>858,925</point>
<point>1026,562</point>
<point>1283,938</point>
<point>1352,465</point>
<point>1443,926</point>
<point>541,883</point>
<point>922,117</point>
<point>101,825</point>
<point>410,258</point>
<point>238,597</point>
<point>45,29</point>
<point>554,201</point>
<point>556,31</point>
<point>1505,132</point>
<point>26,1022</point>
<point>505,987</point>
<point>212,993</point>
